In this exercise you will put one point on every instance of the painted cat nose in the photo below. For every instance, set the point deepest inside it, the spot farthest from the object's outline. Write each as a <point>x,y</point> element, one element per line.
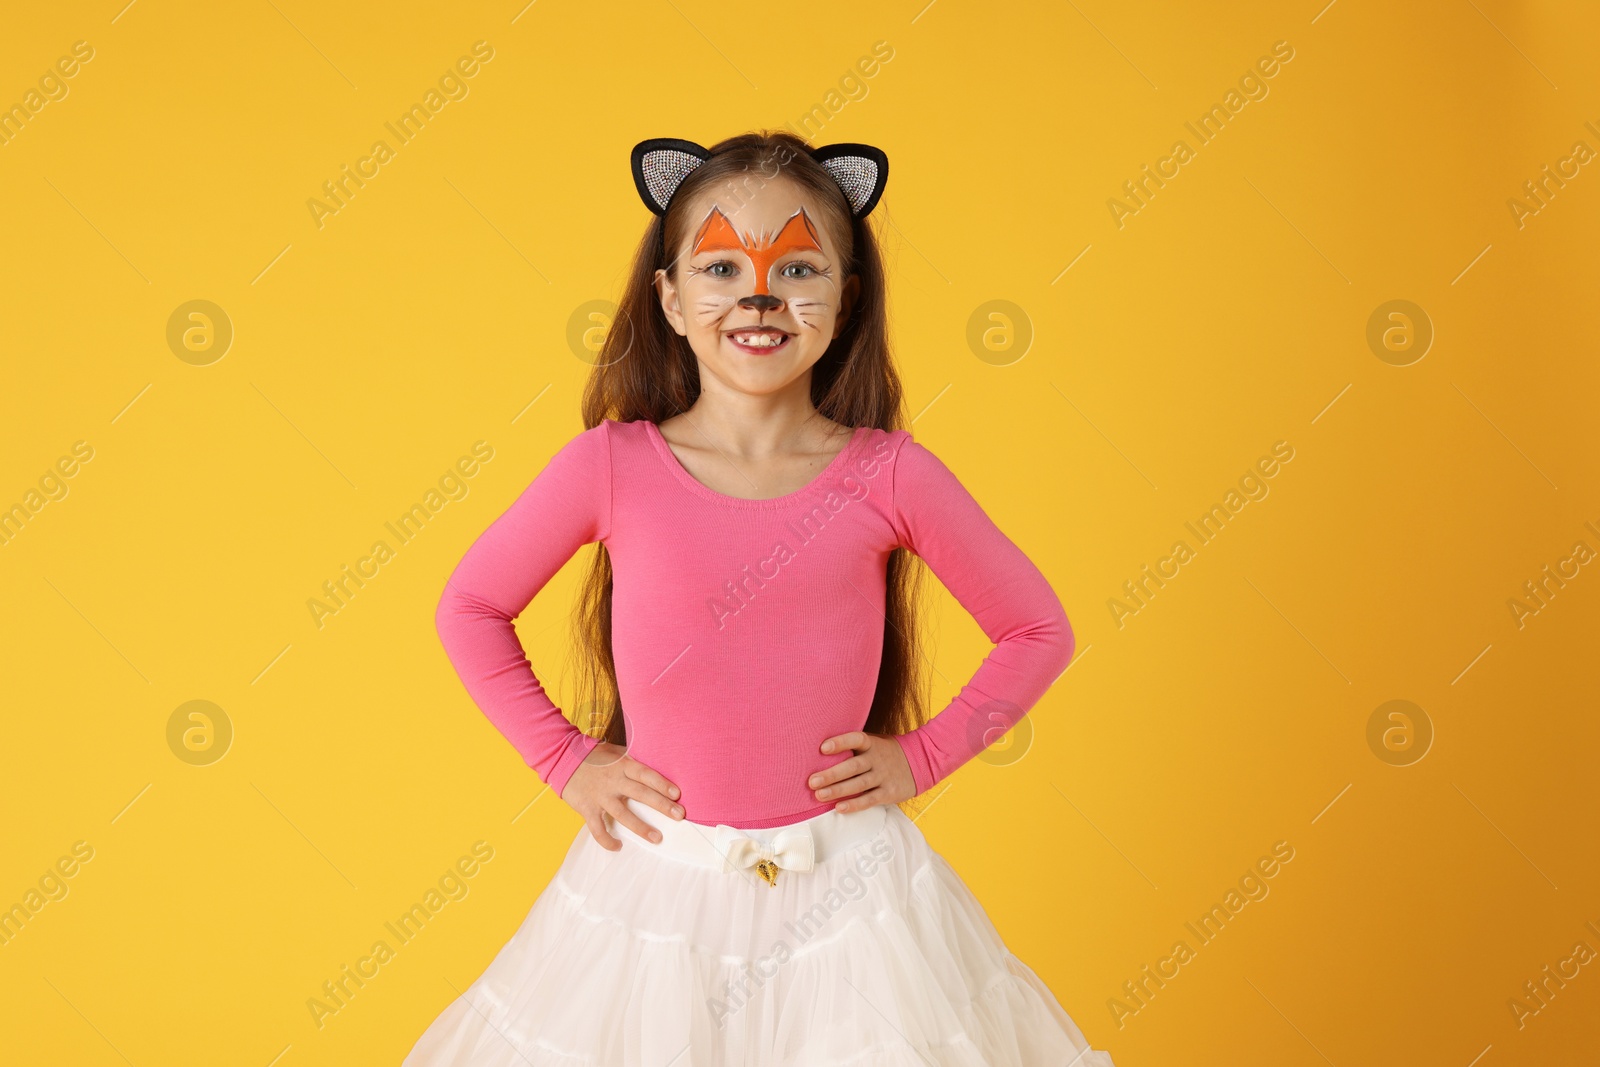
<point>760,302</point>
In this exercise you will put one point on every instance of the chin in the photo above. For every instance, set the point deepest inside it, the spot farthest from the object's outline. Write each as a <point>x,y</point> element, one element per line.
<point>761,381</point>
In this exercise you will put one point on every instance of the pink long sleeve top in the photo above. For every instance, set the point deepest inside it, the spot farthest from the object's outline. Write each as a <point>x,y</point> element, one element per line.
<point>745,632</point>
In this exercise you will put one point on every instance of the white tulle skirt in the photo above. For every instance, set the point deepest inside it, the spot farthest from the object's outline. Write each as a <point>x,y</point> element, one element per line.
<point>660,955</point>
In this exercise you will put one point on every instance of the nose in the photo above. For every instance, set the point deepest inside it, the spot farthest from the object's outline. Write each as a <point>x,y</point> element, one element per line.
<point>760,302</point>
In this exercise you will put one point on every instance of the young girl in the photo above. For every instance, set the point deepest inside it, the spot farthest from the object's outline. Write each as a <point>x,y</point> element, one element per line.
<point>746,890</point>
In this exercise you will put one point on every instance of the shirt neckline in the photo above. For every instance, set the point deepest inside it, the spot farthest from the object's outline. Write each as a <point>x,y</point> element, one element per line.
<point>701,489</point>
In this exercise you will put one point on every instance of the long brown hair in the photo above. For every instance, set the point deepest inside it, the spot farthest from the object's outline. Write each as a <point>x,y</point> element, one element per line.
<point>646,370</point>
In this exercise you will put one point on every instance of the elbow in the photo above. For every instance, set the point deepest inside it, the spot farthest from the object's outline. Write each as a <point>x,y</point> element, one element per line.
<point>447,611</point>
<point>1064,642</point>
<point>1047,637</point>
<point>461,615</point>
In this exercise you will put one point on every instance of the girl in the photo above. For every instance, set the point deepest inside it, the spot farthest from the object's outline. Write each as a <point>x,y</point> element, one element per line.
<point>746,889</point>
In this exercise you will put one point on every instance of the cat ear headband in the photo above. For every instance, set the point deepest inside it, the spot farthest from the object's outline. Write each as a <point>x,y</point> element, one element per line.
<point>661,163</point>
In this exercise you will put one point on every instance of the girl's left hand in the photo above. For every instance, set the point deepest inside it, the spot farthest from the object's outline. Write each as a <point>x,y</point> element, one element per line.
<point>877,774</point>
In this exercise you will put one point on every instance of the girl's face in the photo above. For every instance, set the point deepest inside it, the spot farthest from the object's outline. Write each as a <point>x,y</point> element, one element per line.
<point>756,287</point>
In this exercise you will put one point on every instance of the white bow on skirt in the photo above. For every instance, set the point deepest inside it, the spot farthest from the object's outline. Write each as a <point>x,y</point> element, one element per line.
<point>791,849</point>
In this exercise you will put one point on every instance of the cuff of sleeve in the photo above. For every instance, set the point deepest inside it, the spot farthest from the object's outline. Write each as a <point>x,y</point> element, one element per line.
<point>921,773</point>
<point>579,747</point>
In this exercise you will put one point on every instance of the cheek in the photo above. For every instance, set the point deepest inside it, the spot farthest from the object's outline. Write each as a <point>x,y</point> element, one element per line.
<point>815,304</point>
<point>709,308</point>
<point>816,291</point>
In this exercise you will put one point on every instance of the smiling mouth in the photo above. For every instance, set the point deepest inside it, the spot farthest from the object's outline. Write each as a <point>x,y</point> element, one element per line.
<point>760,340</point>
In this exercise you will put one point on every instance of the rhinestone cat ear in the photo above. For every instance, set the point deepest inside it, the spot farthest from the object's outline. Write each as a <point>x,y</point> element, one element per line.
<point>661,163</point>
<point>861,171</point>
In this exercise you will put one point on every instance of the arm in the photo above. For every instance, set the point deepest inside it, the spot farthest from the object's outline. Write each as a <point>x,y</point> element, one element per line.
<point>567,505</point>
<point>990,576</point>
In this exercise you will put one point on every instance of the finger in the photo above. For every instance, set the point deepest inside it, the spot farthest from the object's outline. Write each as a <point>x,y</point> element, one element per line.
<point>597,827</point>
<point>644,794</point>
<point>840,742</point>
<point>852,766</point>
<point>849,787</point>
<point>653,778</point>
<point>871,798</point>
<point>624,815</point>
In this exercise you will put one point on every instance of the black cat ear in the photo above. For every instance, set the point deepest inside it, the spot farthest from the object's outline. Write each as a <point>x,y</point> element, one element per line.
<point>660,165</point>
<point>860,169</point>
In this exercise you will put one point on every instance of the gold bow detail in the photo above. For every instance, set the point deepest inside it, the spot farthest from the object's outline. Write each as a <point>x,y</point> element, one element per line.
<point>790,849</point>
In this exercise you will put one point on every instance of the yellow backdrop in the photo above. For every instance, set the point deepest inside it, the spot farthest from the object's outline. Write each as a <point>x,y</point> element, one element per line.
<point>1266,329</point>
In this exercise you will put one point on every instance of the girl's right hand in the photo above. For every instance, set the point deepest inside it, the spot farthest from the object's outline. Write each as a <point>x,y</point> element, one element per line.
<point>603,782</point>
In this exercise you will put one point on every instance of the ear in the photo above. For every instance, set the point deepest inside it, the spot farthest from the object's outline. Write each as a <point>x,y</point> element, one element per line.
<point>860,169</point>
<point>659,166</point>
<point>670,306</point>
<point>847,303</point>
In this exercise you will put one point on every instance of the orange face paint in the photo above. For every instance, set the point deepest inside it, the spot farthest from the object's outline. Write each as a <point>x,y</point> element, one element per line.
<point>716,234</point>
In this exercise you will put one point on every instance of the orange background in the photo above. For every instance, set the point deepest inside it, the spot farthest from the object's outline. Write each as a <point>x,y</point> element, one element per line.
<point>1135,377</point>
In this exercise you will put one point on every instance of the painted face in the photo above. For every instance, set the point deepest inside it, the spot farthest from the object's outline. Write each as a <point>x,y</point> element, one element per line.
<point>797,238</point>
<point>758,293</point>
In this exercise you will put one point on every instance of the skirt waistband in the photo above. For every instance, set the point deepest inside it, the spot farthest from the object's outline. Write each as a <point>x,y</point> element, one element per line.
<point>756,852</point>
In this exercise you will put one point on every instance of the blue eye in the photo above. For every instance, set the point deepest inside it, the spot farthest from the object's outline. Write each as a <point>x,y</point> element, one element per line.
<point>808,268</point>
<point>720,263</point>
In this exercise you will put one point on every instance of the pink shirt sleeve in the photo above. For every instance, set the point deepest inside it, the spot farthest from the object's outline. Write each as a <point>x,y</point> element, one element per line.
<point>936,518</point>
<point>566,506</point>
